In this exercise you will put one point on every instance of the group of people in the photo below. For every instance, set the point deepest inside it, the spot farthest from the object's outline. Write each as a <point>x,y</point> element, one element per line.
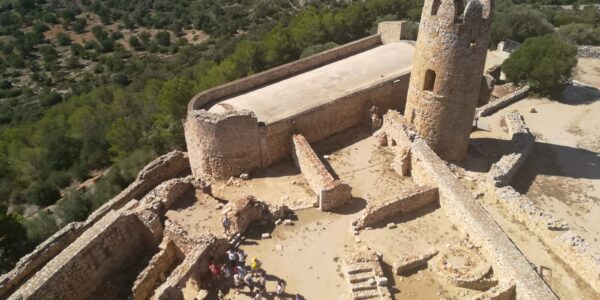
<point>235,271</point>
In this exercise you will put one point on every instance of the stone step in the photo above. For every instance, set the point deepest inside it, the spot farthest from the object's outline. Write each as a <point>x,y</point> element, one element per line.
<point>362,295</point>
<point>359,277</point>
<point>363,286</point>
<point>359,268</point>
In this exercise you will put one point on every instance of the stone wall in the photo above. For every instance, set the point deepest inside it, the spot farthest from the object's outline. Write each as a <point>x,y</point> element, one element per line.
<point>160,265</point>
<point>331,192</point>
<point>522,141</point>
<point>377,212</point>
<point>323,121</point>
<point>471,218</point>
<point>447,71</point>
<point>195,263</point>
<point>392,31</point>
<point>158,170</point>
<point>588,51</point>
<point>279,73</point>
<point>222,145</point>
<point>555,233</point>
<point>76,272</point>
<point>243,211</point>
<point>161,198</point>
<point>502,102</point>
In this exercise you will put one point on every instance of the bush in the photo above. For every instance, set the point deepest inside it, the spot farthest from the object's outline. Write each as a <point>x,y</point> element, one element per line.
<point>50,99</point>
<point>76,206</point>
<point>163,38</point>
<point>317,49</point>
<point>40,227</point>
<point>582,34</point>
<point>544,62</point>
<point>63,39</point>
<point>42,193</point>
<point>79,25</point>
<point>518,24</point>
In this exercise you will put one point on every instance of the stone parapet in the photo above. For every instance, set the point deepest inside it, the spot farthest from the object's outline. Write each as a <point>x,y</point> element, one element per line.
<point>377,212</point>
<point>522,141</point>
<point>586,51</point>
<point>331,192</point>
<point>502,102</point>
<point>470,217</point>
<point>151,277</point>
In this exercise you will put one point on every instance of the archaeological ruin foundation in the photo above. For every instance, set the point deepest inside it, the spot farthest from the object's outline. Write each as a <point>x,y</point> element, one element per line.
<point>336,171</point>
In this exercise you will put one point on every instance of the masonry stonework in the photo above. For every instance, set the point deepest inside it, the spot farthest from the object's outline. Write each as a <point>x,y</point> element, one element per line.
<point>447,72</point>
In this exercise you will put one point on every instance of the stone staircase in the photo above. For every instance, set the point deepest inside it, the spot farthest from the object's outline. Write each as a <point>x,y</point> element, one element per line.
<point>366,281</point>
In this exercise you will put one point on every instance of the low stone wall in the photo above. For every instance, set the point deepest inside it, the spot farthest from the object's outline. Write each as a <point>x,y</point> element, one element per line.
<point>161,198</point>
<point>522,141</point>
<point>471,218</point>
<point>377,212</point>
<point>502,102</point>
<point>77,271</point>
<point>283,71</point>
<point>409,263</point>
<point>555,233</point>
<point>158,170</point>
<point>391,31</point>
<point>588,51</point>
<point>500,292</point>
<point>160,265</point>
<point>397,134</point>
<point>192,267</point>
<point>330,191</point>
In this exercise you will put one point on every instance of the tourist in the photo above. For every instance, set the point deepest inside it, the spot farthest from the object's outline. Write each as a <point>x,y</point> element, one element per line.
<point>215,270</point>
<point>257,296</point>
<point>241,257</point>
<point>240,270</point>
<point>280,289</point>
<point>255,265</point>
<point>248,281</point>
<point>238,282</point>
<point>261,284</point>
<point>225,271</point>
<point>226,225</point>
<point>232,256</point>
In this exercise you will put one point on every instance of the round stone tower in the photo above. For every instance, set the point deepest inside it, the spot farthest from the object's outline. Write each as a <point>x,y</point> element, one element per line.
<point>447,71</point>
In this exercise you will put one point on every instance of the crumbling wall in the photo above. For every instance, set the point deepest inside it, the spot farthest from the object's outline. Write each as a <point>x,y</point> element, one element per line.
<point>555,233</point>
<point>155,273</point>
<point>155,172</point>
<point>502,102</point>
<point>397,134</point>
<point>586,51</point>
<point>330,191</point>
<point>283,71</point>
<point>447,71</point>
<point>392,31</point>
<point>195,263</point>
<point>522,141</point>
<point>78,270</point>
<point>471,218</point>
<point>377,212</point>
<point>222,145</point>
<point>161,198</point>
<point>243,211</point>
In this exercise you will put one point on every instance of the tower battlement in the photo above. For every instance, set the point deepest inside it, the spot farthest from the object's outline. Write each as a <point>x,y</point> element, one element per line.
<point>456,13</point>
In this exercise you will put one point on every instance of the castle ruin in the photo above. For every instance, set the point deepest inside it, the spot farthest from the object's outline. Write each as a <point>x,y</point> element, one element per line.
<point>327,132</point>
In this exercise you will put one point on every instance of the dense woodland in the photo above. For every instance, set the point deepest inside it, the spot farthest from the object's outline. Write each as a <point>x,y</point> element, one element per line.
<point>100,87</point>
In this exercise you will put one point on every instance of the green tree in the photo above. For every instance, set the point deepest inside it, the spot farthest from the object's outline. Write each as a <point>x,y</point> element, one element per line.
<point>544,62</point>
<point>163,38</point>
<point>79,25</point>
<point>582,34</point>
<point>42,193</point>
<point>63,39</point>
<point>40,227</point>
<point>135,43</point>
<point>518,24</point>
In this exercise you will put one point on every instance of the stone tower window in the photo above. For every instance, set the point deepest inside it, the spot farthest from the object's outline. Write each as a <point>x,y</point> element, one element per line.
<point>429,80</point>
<point>434,7</point>
<point>458,10</point>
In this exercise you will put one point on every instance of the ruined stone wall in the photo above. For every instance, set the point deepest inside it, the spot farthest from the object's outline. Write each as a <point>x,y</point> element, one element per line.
<point>160,169</point>
<point>160,265</point>
<point>78,270</point>
<point>222,145</point>
<point>278,73</point>
<point>471,218</point>
<point>502,172</point>
<point>376,212</point>
<point>555,233</point>
<point>588,51</point>
<point>447,70</point>
<point>244,211</point>
<point>330,191</point>
<point>502,102</point>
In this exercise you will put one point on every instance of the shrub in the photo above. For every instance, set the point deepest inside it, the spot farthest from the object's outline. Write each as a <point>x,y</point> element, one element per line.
<point>40,227</point>
<point>42,193</point>
<point>163,38</point>
<point>544,62</point>
<point>582,34</point>
<point>63,39</point>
